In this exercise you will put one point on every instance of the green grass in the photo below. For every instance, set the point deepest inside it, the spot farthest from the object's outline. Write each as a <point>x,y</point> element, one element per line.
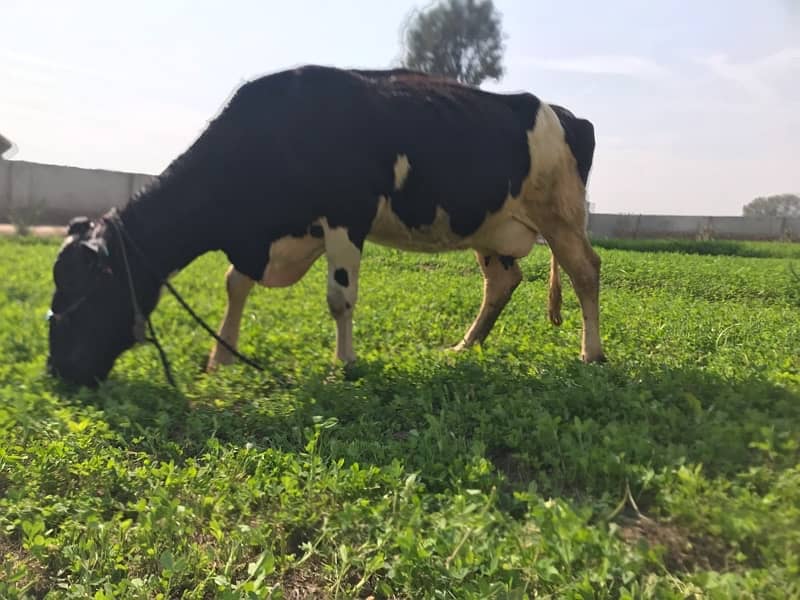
<point>707,247</point>
<point>508,471</point>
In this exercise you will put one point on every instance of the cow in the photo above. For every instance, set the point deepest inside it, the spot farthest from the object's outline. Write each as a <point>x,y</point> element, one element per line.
<point>318,160</point>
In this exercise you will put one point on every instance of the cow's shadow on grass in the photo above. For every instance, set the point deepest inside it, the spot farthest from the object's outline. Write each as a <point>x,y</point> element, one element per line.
<point>577,430</point>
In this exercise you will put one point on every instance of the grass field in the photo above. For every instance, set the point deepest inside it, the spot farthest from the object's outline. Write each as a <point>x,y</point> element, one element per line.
<point>511,471</point>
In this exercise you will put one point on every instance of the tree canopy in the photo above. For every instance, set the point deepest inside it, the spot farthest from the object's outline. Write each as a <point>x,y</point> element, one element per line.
<point>5,145</point>
<point>457,39</point>
<point>779,205</point>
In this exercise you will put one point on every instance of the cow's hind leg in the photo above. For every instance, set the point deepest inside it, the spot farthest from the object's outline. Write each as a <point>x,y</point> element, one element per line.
<point>344,261</point>
<point>238,287</point>
<point>501,276</point>
<point>571,248</point>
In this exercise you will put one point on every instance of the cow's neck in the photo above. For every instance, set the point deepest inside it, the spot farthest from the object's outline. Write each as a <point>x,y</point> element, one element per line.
<point>171,231</point>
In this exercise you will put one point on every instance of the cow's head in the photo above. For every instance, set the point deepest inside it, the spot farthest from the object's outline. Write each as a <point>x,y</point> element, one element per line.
<point>91,315</point>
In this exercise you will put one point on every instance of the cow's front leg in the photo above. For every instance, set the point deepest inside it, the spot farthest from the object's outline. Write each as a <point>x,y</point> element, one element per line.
<point>501,276</point>
<point>238,287</point>
<point>344,260</point>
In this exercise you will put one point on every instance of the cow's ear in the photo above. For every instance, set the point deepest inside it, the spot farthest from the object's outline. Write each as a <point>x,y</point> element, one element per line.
<point>79,226</point>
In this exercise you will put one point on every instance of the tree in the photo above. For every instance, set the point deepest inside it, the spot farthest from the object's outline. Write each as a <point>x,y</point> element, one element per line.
<point>5,145</point>
<point>780,205</point>
<point>457,39</point>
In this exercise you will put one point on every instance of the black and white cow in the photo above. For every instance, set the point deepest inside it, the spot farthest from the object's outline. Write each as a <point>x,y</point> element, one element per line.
<point>317,160</point>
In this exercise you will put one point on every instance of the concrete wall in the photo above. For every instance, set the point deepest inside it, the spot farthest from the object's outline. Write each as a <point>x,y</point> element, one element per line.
<point>52,194</point>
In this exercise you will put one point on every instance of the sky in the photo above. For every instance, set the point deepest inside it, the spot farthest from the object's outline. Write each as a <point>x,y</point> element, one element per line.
<point>695,103</point>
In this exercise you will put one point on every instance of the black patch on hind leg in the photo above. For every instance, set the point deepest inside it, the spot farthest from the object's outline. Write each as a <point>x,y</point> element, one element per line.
<point>486,260</point>
<point>341,277</point>
<point>507,262</point>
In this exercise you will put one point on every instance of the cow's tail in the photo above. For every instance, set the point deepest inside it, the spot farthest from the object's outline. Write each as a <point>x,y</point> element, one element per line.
<point>554,295</point>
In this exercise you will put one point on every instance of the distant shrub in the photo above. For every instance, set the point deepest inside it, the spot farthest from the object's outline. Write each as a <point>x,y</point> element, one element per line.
<point>26,215</point>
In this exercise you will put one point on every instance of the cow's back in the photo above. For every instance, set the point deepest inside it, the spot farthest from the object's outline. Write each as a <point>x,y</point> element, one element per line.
<point>298,145</point>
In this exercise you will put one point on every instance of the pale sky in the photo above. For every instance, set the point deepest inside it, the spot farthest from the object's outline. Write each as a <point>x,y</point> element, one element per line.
<point>696,104</point>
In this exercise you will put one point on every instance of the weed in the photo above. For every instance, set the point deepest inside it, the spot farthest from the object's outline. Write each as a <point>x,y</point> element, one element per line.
<point>24,216</point>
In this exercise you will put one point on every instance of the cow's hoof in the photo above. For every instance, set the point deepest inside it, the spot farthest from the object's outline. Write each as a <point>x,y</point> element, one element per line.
<point>599,359</point>
<point>215,365</point>
<point>459,347</point>
<point>218,358</point>
<point>555,318</point>
<point>345,360</point>
<point>353,371</point>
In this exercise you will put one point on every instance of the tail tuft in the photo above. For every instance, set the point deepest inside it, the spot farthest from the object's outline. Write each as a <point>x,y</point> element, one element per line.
<point>554,296</point>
